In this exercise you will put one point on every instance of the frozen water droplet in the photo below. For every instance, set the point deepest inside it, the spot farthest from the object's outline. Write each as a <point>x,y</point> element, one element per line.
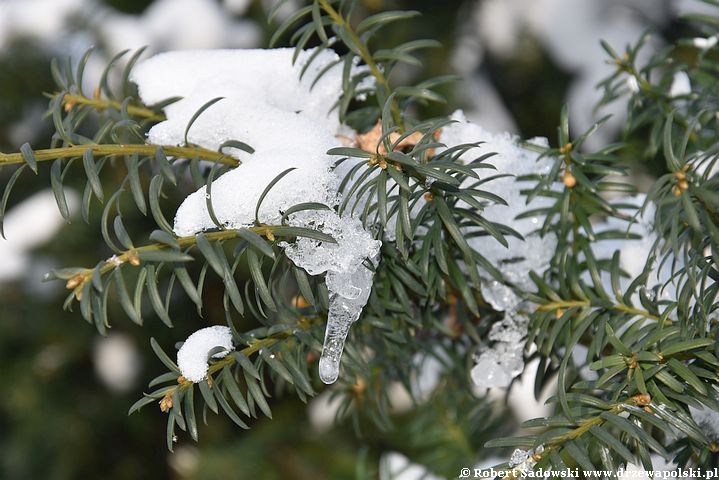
<point>329,369</point>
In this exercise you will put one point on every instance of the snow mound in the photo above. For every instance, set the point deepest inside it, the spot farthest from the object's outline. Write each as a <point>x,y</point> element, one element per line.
<point>290,121</point>
<point>257,85</point>
<point>265,104</point>
<point>193,355</point>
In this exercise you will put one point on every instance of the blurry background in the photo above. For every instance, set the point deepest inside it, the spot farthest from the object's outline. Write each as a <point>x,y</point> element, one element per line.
<point>65,391</point>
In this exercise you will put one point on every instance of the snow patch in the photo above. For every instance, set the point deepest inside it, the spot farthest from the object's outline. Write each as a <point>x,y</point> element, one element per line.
<point>193,355</point>
<point>266,105</point>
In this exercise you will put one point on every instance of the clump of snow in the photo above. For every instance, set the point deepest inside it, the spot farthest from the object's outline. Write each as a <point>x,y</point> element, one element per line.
<point>193,355</point>
<point>249,80</point>
<point>499,364</point>
<point>236,193</point>
<point>349,281</point>
<point>266,105</point>
<point>522,256</point>
<point>705,43</point>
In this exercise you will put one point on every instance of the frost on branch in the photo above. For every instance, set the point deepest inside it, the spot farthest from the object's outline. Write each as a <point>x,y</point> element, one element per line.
<point>523,255</point>
<point>193,355</point>
<point>349,281</point>
<point>267,104</point>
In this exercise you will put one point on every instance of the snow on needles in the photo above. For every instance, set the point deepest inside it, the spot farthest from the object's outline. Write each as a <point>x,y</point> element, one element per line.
<point>521,256</point>
<point>266,105</point>
<point>498,364</point>
<point>193,355</point>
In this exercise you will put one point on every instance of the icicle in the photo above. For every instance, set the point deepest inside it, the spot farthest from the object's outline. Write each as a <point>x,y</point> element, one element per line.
<point>341,316</point>
<point>350,292</point>
<point>348,281</point>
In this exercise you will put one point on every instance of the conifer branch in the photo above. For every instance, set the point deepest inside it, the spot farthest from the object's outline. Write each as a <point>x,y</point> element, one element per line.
<point>107,150</point>
<point>134,256</point>
<point>366,57</point>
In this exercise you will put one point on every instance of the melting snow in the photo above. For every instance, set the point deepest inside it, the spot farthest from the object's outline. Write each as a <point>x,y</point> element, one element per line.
<point>499,364</point>
<point>349,281</point>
